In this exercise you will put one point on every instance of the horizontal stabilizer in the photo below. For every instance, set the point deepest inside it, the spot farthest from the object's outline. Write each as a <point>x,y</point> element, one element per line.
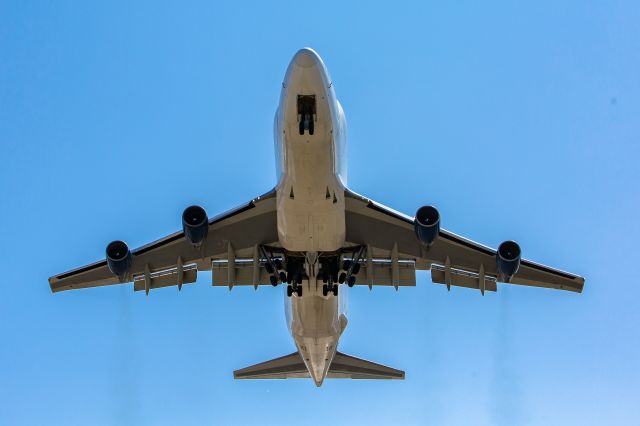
<point>349,367</point>
<point>285,367</point>
<point>343,367</point>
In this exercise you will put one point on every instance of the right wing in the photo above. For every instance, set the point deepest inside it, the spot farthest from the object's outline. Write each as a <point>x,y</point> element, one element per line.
<point>174,261</point>
<point>452,259</point>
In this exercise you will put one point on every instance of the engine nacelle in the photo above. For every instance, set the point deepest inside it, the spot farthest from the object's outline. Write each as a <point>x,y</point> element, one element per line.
<point>195,224</point>
<point>119,258</point>
<point>508,259</point>
<point>427,224</point>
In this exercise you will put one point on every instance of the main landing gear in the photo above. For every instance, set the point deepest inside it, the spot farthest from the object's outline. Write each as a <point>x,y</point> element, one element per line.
<point>287,270</point>
<point>294,288</point>
<point>294,276</point>
<point>326,288</point>
<point>333,273</point>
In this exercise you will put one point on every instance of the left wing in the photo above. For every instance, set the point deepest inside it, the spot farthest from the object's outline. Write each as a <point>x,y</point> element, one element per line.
<point>452,259</point>
<point>174,261</point>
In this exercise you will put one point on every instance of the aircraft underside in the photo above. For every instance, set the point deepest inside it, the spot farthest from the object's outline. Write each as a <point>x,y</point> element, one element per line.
<point>314,237</point>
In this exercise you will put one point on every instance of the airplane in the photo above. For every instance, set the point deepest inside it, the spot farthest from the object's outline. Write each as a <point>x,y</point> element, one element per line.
<point>315,237</point>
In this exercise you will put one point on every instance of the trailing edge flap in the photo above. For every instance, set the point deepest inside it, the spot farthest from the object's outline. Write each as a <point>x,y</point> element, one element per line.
<point>342,367</point>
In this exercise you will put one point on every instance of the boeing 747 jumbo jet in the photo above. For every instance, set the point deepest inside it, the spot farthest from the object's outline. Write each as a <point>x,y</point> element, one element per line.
<point>315,237</point>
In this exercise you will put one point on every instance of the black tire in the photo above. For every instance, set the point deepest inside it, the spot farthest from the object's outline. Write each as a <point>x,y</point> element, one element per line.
<point>356,269</point>
<point>289,291</point>
<point>274,280</point>
<point>325,290</point>
<point>269,268</point>
<point>311,126</point>
<point>283,277</point>
<point>301,126</point>
<point>335,289</point>
<point>352,280</point>
<point>346,265</point>
<point>342,278</point>
<point>278,263</point>
<point>299,291</point>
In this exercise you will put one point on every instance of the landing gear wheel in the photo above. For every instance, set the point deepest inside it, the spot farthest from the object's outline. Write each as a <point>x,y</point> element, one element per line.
<point>289,291</point>
<point>342,278</point>
<point>325,290</point>
<point>346,265</point>
<point>269,268</point>
<point>299,291</point>
<point>335,289</point>
<point>273,280</point>
<point>301,126</point>
<point>352,280</point>
<point>278,263</point>
<point>283,277</point>
<point>356,269</point>
<point>307,123</point>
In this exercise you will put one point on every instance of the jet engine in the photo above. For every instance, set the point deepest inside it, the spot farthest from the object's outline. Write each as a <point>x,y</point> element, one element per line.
<point>195,224</point>
<point>508,259</point>
<point>427,224</point>
<point>119,258</point>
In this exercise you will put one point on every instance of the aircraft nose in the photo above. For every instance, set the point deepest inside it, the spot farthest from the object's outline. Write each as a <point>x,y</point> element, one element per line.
<point>306,58</point>
<point>306,72</point>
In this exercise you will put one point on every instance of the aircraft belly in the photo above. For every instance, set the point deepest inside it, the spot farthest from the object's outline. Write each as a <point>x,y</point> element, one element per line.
<point>310,201</point>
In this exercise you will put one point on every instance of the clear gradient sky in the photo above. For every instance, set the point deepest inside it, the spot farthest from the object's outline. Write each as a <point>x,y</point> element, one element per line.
<point>516,120</point>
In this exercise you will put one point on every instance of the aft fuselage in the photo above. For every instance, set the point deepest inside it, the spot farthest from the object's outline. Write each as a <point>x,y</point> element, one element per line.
<point>310,139</point>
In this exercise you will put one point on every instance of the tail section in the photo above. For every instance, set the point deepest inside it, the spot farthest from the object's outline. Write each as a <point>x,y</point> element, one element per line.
<point>343,367</point>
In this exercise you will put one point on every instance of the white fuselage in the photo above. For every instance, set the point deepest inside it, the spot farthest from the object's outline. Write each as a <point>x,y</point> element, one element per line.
<point>312,176</point>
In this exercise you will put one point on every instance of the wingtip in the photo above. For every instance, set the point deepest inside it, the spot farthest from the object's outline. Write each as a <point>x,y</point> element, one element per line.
<point>52,281</point>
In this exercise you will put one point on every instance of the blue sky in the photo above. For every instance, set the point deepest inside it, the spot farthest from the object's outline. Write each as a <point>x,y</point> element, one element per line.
<point>516,120</point>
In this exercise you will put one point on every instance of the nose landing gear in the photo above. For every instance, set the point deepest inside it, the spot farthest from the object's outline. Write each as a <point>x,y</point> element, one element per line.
<point>306,113</point>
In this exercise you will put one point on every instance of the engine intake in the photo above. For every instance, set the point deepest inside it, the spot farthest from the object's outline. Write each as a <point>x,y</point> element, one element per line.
<point>119,258</point>
<point>427,224</point>
<point>508,259</point>
<point>195,224</point>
